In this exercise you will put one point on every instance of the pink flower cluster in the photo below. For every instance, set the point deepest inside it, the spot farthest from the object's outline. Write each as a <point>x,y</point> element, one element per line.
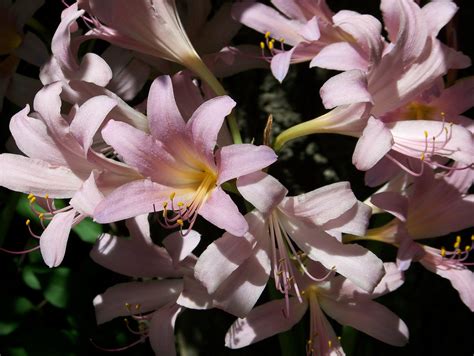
<point>178,157</point>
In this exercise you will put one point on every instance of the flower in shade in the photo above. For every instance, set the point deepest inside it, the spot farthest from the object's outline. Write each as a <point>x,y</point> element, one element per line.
<point>341,300</point>
<point>183,169</point>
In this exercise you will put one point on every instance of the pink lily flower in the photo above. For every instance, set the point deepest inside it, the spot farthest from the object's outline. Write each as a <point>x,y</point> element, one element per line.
<point>183,172</point>
<point>313,222</point>
<point>311,28</point>
<point>421,214</point>
<point>154,304</point>
<point>93,76</point>
<point>410,64</point>
<point>341,300</point>
<point>15,45</point>
<point>64,164</point>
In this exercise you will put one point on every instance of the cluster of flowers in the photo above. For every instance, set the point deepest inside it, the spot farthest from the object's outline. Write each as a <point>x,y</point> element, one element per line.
<point>177,157</point>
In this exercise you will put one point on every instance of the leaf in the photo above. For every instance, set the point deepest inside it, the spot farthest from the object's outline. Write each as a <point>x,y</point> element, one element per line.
<point>13,312</point>
<point>30,277</point>
<point>88,230</point>
<point>57,289</point>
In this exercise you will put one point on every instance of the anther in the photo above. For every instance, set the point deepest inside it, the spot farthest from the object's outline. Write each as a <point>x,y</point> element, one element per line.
<point>262,45</point>
<point>30,196</point>
<point>172,195</point>
<point>180,222</point>
<point>128,306</point>
<point>443,252</point>
<point>267,34</point>
<point>28,222</point>
<point>426,134</point>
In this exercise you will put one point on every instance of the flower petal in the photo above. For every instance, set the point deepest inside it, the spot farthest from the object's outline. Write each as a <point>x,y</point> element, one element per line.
<point>355,90</point>
<point>375,142</point>
<point>179,247</point>
<point>264,321</point>
<point>162,330</point>
<point>53,241</point>
<point>280,64</point>
<point>240,159</point>
<point>370,317</point>
<point>149,295</point>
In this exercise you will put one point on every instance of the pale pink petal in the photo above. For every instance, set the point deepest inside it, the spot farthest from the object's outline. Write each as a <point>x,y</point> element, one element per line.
<point>179,247</point>
<point>262,190</point>
<point>264,321</point>
<point>456,99</point>
<point>132,258</point>
<point>369,317</point>
<point>56,181</point>
<point>393,203</point>
<point>355,90</point>
<point>194,295</point>
<point>166,122</point>
<point>53,241</point>
<point>48,104</point>
<point>321,205</point>
<point>162,330</point>
<point>241,290</point>
<point>240,159</point>
<point>206,122</point>
<point>149,295</point>
<point>352,261</point>
<point>354,221</point>
<point>33,139</point>
<point>339,56</point>
<point>132,199</point>
<point>94,69</point>
<point>310,31</point>
<point>375,142</point>
<point>220,259</point>
<point>437,14</point>
<point>89,118</point>
<point>220,210</point>
<point>265,19</point>
<point>189,96</point>
<point>88,197</point>
<point>280,64</point>
<point>145,153</point>
<point>291,9</point>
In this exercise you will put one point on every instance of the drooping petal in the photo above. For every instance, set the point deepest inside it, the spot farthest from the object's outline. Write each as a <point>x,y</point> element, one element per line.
<point>149,295</point>
<point>53,241</point>
<point>240,159</point>
<point>437,14</point>
<point>262,190</point>
<point>241,290</point>
<point>393,203</point>
<point>352,261</point>
<point>57,182</point>
<point>194,295</point>
<point>162,329</point>
<point>354,221</point>
<point>370,317</point>
<point>220,210</point>
<point>280,64</point>
<point>375,142</point>
<point>88,197</point>
<point>264,321</point>
<point>339,56</point>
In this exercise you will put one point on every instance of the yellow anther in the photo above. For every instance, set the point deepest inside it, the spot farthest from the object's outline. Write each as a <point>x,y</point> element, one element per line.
<point>458,252</point>
<point>46,196</point>
<point>426,134</point>
<point>339,338</point>
<point>138,306</point>
<point>443,252</point>
<point>472,237</point>
<point>262,45</point>
<point>27,222</point>
<point>310,342</point>
<point>267,34</point>
<point>41,216</point>
<point>422,156</point>
<point>329,343</point>
<point>32,200</point>
<point>180,222</point>
<point>180,204</point>
<point>125,320</point>
<point>30,196</point>
<point>128,306</point>
<point>282,40</point>
<point>458,242</point>
<point>467,248</point>
<point>172,195</point>
<point>270,45</point>
<point>442,113</point>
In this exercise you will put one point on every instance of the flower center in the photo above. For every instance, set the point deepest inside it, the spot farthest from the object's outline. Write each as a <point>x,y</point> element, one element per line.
<point>418,111</point>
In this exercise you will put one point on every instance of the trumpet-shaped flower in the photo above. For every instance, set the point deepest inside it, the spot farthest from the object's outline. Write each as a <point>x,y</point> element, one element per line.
<point>341,300</point>
<point>280,229</point>
<point>346,40</point>
<point>182,168</point>
<point>411,64</point>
